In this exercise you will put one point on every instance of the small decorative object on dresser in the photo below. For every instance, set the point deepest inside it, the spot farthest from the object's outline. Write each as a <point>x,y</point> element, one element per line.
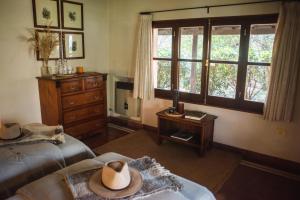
<point>46,45</point>
<point>77,102</point>
<point>79,69</point>
<point>194,128</point>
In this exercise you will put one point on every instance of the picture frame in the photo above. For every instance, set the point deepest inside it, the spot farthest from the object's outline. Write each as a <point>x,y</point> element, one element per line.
<point>46,13</point>
<point>56,54</point>
<point>73,45</point>
<point>72,15</point>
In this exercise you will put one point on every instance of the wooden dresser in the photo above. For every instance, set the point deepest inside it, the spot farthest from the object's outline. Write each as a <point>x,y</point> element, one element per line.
<point>77,102</point>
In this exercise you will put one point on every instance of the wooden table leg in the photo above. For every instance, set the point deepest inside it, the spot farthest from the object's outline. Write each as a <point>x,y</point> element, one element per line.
<point>159,140</point>
<point>211,136</point>
<point>202,141</point>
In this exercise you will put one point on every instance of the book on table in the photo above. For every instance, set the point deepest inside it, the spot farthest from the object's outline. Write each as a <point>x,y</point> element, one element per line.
<point>181,135</point>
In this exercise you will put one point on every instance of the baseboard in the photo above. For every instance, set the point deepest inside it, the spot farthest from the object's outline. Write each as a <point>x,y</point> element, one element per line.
<point>271,170</point>
<point>122,121</point>
<point>122,128</point>
<point>149,128</point>
<point>262,159</point>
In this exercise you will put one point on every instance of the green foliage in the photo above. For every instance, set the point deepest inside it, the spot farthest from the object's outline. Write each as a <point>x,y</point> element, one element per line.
<point>222,80</point>
<point>164,74</point>
<point>256,83</point>
<point>225,47</point>
<point>222,77</point>
<point>187,81</point>
<point>164,46</point>
<point>260,48</point>
<point>186,47</point>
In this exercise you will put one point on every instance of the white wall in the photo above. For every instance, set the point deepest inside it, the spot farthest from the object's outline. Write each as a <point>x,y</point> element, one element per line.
<point>240,129</point>
<point>19,98</point>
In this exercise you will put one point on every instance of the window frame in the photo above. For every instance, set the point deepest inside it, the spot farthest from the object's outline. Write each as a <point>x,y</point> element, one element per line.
<point>239,103</point>
<point>176,25</point>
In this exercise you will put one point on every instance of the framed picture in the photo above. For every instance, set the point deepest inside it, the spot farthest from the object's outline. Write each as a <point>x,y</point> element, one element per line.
<point>46,13</point>
<point>72,15</point>
<point>73,45</point>
<point>56,53</point>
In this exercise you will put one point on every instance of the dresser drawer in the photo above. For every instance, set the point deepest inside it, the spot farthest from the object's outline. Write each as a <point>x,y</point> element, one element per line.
<point>83,113</point>
<point>71,86</point>
<point>85,128</point>
<point>81,99</point>
<point>93,82</point>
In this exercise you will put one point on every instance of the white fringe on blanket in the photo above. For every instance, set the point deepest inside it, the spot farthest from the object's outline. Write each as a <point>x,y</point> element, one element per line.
<point>156,179</point>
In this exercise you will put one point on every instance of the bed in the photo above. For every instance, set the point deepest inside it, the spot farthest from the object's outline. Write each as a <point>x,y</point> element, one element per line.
<point>54,188</point>
<point>23,163</point>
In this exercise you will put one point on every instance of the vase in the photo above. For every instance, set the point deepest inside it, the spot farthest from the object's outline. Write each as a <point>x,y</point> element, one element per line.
<point>52,70</point>
<point>45,71</point>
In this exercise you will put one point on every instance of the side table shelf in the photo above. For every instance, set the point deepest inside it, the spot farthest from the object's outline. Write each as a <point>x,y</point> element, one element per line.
<point>201,130</point>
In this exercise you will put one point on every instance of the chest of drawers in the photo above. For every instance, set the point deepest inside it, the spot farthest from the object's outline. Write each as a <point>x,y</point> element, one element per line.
<point>77,102</point>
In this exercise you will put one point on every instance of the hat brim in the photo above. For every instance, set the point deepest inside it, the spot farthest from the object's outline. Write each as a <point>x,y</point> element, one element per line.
<point>96,185</point>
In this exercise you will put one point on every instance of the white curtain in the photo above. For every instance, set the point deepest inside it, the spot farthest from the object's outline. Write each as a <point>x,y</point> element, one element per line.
<point>143,77</point>
<point>285,64</point>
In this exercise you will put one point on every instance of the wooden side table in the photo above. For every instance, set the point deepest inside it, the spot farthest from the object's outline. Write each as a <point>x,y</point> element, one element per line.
<point>202,130</point>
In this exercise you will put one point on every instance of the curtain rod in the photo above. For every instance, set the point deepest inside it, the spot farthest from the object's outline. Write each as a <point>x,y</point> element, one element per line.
<point>208,7</point>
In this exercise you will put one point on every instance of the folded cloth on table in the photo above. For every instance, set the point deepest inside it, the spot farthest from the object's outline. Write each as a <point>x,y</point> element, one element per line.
<point>156,179</point>
<point>36,132</point>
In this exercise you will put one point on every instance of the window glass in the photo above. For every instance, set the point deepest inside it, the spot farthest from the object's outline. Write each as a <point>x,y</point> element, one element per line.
<point>225,43</point>
<point>222,80</point>
<point>190,77</point>
<point>261,43</point>
<point>162,74</point>
<point>162,44</point>
<point>191,42</point>
<point>257,83</point>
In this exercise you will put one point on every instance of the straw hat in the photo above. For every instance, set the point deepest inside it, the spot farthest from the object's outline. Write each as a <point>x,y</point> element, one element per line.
<point>116,180</point>
<point>9,131</point>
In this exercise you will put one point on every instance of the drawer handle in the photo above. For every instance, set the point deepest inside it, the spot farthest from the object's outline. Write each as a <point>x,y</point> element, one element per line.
<point>95,84</point>
<point>71,103</point>
<point>72,88</point>
<point>96,97</point>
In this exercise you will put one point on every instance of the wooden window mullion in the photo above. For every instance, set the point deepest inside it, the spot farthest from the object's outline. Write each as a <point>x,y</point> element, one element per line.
<point>242,66</point>
<point>175,52</point>
<point>206,58</point>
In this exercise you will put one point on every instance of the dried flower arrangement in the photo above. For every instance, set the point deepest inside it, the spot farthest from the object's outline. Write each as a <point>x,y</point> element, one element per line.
<point>43,44</point>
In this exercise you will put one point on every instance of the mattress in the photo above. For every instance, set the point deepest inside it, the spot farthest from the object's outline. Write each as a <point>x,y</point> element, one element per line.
<point>54,187</point>
<point>23,163</point>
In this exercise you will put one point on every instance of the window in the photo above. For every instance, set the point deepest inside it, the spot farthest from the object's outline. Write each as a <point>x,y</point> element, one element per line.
<point>224,57</point>
<point>190,59</point>
<point>162,46</point>
<point>259,59</point>
<point>218,61</point>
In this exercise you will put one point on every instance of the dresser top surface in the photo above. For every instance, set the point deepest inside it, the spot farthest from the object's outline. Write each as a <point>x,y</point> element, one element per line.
<point>71,76</point>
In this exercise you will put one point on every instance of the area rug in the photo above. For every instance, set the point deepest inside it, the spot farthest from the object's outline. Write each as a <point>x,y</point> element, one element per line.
<point>212,170</point>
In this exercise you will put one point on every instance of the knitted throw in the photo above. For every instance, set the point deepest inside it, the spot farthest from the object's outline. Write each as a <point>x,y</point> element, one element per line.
<point>156,179</point>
